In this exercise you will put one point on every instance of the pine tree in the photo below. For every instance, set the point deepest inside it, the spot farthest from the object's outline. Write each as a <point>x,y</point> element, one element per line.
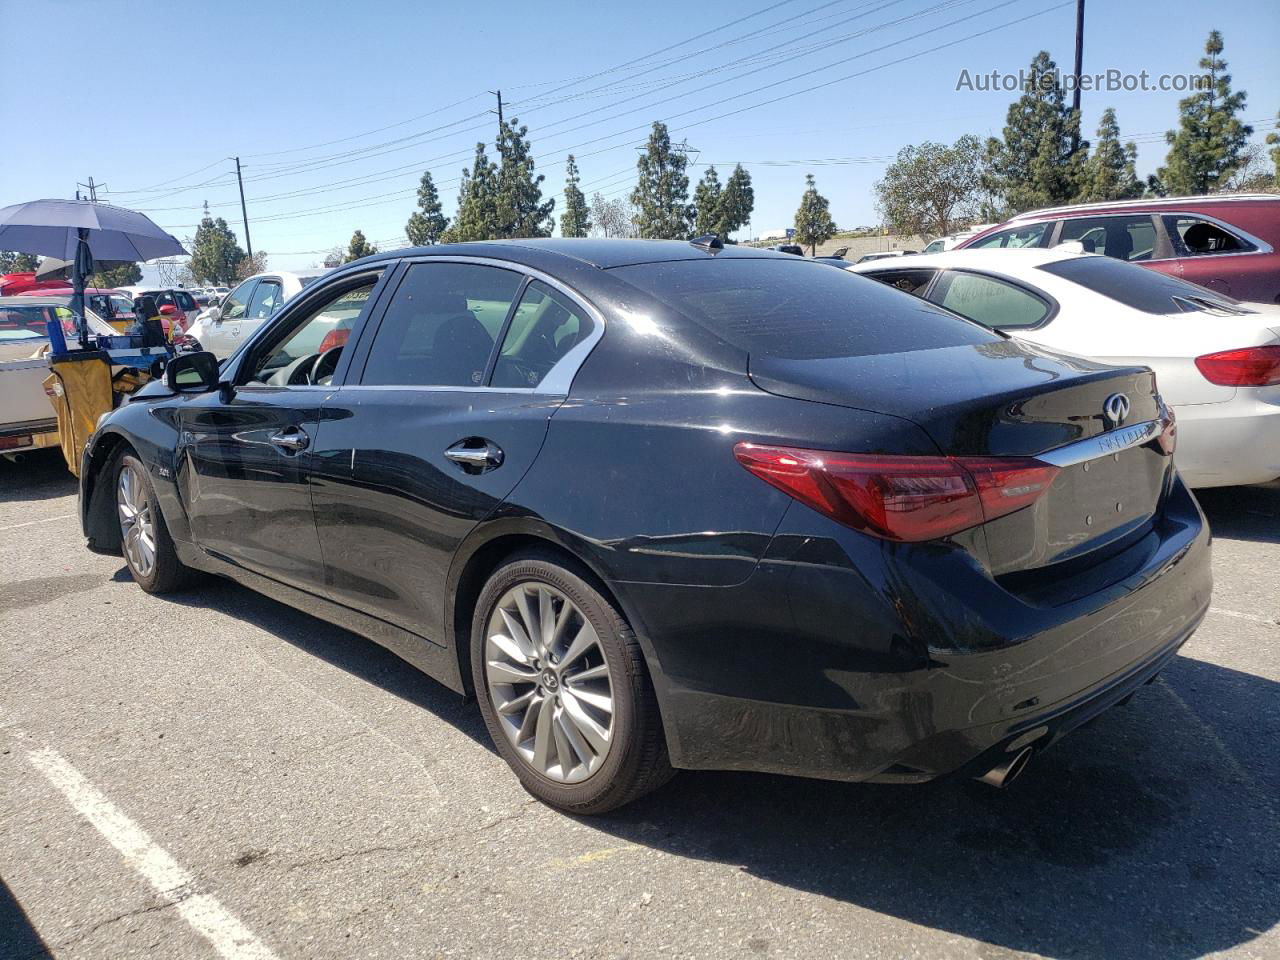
<point>477,216</point>
<point>813,220</point>
<point>521,211</point>
<point>359,247</point>
<point>427,223</point>
<point>736,203</point>
<point>662,195</point>
<point>1109,172</point>
<point>576,220</point>
<point>1037,163</point>
<point>215,254</point>
<point>1207,147</point>
<point>706,204</point>
<point>12,262</point>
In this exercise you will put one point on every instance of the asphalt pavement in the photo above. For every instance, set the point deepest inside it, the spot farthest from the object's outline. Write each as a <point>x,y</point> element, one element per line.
<point>214,773</point>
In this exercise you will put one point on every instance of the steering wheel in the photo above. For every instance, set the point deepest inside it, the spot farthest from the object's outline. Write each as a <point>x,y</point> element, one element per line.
<point>325,364</point>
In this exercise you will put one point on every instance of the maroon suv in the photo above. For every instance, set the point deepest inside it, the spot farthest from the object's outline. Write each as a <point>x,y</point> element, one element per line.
<point>1227,243</point>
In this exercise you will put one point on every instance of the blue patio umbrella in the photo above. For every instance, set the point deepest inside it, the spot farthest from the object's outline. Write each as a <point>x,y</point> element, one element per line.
<point>80,231</point>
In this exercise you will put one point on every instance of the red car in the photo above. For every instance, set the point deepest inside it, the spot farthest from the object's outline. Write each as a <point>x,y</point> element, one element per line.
<point>1226,243</point>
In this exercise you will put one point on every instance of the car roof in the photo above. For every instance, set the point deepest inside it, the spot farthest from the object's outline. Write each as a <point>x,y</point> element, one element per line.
<point>594,251</point>
<point>1021,258</point>
<point>1148,203</point>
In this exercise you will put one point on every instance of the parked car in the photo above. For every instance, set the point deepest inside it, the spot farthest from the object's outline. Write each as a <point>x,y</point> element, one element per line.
<point>183,304</point>
<point>1217,360</point>
<point>953,240</point>
<point>1224,242</point>
<point>27,420</point>
<point>660,506</point>
<point>884,255</point>
<point>221,329</point>
<point>113,306</point>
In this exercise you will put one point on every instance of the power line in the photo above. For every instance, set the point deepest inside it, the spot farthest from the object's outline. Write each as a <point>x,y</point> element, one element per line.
<point>398,194</point>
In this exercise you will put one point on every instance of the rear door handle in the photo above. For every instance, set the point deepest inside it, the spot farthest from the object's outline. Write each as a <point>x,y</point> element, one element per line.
<point>476,452</point>
<point>291,438</point>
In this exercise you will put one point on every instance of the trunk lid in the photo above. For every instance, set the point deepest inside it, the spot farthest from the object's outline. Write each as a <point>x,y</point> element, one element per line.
<point>1008,398</point>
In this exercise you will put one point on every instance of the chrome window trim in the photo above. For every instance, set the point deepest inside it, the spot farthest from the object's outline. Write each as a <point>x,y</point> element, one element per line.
<point>1104,444</point>
<point>559,378</point>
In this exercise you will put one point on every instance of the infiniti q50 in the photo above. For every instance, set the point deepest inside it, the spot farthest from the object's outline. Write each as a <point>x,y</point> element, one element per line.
<point>660,505</point>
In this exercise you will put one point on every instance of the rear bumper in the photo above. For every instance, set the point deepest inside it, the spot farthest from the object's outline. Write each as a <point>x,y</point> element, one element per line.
<point>1232,443</point>
<point>846,660</point>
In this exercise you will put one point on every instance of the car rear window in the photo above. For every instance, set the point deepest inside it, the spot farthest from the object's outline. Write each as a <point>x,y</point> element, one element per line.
<point>799,310</point>
<point>1143,289</point>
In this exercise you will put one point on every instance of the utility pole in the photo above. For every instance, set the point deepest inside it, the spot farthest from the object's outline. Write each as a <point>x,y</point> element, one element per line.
<point>1075,93</point>
<point>243,212</point>
<point>498,94</point>
<point>92,188</point>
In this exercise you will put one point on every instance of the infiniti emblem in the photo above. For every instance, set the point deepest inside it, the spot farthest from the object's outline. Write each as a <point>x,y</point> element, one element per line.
<point>1115,408</point>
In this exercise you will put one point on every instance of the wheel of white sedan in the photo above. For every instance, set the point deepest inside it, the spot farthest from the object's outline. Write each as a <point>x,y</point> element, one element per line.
<point>563,688</point>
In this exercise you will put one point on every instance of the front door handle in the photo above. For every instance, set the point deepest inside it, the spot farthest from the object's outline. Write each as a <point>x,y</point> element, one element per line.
<point>476,453</point>
<point>291,438</point>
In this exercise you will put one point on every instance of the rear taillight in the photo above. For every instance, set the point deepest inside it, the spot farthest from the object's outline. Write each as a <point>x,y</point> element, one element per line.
<point>1248,367</point>
<point>901,498</point>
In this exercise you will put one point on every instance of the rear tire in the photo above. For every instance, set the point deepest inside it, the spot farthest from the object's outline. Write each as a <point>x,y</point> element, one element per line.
<point>564,689</point>
<point>148,549</point>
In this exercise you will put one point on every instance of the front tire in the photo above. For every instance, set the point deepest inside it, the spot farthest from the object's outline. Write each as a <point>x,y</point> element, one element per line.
<point>144,539</point>
<point>564,690</point>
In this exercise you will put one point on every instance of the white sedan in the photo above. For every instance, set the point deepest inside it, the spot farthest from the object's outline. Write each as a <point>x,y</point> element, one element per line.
<point>1217,361</point>
<point>241,312</point>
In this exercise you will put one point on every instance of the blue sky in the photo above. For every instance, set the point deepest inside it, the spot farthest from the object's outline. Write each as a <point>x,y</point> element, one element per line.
<point>336,108</point>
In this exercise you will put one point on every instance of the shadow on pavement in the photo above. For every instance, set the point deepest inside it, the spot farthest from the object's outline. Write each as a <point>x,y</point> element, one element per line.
<point>1243,513</point>
<point>39,475</point>
<point>348,651</point>
<point>1150,834</point>
<point>18,938</point>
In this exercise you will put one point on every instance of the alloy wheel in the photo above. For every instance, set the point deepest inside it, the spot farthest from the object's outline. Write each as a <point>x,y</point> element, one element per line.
<point>548,680</point>
<point>137,524</point>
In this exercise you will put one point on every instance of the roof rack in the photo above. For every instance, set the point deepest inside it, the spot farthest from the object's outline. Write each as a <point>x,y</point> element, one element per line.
<point>1145,201</point>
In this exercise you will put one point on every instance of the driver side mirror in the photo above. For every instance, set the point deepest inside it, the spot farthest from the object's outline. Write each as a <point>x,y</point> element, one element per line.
<point>192,373</point>
<point>168,310</point>
<point>215,313</point>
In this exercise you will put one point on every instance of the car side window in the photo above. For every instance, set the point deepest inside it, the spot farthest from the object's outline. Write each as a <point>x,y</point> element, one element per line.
<point>908,281</point>
<point>266,296</point>
<point>1196,237</point>
<point>233,306</point>
<point>186,302</point>
<point>545,326</point>
<point>440,326</point>
<point>303,352</point>
<point>1123,238</point>
<point>1032,235</point>
<point>991,302</point>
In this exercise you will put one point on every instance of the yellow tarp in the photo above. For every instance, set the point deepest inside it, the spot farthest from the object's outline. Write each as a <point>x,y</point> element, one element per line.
<point>80,392</point>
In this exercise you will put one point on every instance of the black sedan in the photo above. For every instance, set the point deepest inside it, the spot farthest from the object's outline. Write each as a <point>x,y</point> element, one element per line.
<point>660,505</point>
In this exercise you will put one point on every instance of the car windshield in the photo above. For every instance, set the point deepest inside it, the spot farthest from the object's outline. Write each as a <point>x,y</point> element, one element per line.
<point>801,310</point>
<point>1139,287</point>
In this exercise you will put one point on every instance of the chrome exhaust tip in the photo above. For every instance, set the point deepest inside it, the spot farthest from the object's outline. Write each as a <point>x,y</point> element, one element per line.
<point>1004,772</point>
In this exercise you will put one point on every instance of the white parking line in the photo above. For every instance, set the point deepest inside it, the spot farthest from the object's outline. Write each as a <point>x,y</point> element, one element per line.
<point>32,523</point>
<point>231,938</point>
